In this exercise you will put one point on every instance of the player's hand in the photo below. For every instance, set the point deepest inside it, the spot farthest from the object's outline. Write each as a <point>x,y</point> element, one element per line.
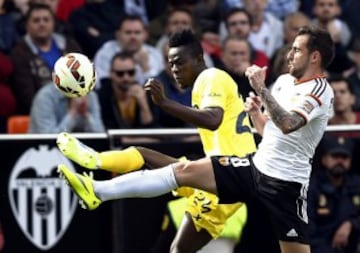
<point>156,90</point>
<point>341,237</point>
<point>252,104</point>
<point>256,76</point>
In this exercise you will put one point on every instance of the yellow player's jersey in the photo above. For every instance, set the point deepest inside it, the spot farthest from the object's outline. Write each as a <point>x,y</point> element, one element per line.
<point>215,88</point>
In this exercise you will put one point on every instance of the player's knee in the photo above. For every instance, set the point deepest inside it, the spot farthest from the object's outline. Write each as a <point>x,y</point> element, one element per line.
<point>179,248</point>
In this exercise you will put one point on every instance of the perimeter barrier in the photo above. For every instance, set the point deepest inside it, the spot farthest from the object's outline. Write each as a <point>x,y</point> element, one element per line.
<point>39,213</point>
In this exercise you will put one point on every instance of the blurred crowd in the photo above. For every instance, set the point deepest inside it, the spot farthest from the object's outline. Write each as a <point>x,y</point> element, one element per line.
<point>127,41</point>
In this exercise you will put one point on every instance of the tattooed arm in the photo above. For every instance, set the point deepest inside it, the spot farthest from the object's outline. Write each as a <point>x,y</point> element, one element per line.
<point>286,121</point>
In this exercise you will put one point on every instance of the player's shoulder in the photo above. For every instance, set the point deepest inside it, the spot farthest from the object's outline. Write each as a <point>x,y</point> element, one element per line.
<point>286,78</point>
<point>281,80</point>
<point>215,76</point>
<point>321,87</point>
<point>214,72</point>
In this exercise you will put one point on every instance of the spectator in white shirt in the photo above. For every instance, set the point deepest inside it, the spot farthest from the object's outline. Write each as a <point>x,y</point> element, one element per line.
<point>267,30</point>
<point>130,37</point>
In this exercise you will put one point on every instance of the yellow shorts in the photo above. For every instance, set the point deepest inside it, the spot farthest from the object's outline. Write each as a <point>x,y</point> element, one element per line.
<point>219,220</point>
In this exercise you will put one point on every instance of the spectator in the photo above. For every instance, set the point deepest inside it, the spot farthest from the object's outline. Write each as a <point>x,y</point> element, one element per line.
<point>130,37</point>
<point>177,19</point>
<point>354,77</point>
<point>236,57</point>
<point>7,99</point>
<point>173,92</point>
<point>52,112</point>
<point>292,23</point>
<point>334,200</point>
<point>61,27</point>
<point>35,55</point>
<point>96,22</point>
<point>8,32</point>
<point>344,101</point>
<point>267,30</point>
<point>208,14</point>
<point>238,23</point>
<point>326,13</point>
<point>123,100</point>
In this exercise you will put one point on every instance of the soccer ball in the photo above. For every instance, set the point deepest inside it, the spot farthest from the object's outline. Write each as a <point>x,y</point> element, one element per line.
<point>74,75</point>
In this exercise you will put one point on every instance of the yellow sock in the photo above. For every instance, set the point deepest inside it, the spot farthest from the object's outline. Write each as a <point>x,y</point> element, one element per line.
<point>121,161</point>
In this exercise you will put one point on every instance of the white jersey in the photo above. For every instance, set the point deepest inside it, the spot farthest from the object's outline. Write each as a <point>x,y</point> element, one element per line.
<point>288,156</point>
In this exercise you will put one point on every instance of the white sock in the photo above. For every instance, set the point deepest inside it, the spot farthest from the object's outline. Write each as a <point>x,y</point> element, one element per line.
<point>143,184</point>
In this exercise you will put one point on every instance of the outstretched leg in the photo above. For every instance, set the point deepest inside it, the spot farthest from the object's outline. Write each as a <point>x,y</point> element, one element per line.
<point>142,184</point>
<point>119,161</point>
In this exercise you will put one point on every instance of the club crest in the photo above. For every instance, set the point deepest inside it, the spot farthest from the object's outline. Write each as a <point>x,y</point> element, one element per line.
<point>42,204</point>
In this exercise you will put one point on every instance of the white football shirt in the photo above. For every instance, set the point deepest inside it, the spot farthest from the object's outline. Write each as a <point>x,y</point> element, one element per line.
<point>288,156</point>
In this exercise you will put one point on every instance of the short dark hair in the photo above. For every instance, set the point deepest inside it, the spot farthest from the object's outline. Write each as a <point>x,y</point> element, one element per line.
<point>130,17</point>
<point>236,38</point>
<point>122,55</point>
<point>179,9</point>
<point>319,40</point>
<point>35,7</point>
<point>186,38</point>
<point>235,10</point>
<point>340,78</point>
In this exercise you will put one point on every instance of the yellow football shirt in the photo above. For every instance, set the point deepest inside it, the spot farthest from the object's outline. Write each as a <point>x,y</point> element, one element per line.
<point>215,88</point>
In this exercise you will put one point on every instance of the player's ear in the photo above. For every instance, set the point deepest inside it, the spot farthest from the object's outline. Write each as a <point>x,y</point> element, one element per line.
<point>200,58</point>
<point>315,57</point>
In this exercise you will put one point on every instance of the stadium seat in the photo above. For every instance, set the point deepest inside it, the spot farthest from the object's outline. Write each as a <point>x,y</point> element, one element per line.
<point>18,124</point>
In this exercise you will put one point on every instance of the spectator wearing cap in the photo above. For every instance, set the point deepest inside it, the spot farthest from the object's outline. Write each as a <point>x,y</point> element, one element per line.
<point>354,78</point>
<point>334,199</point>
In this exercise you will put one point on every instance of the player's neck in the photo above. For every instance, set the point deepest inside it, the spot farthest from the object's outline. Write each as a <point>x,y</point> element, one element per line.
<point>310,74</point>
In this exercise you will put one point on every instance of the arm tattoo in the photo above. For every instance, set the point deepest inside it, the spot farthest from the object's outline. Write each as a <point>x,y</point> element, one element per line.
<point>286,121</point>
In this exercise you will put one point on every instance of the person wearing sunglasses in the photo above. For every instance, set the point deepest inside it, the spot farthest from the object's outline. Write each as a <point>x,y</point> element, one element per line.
<point>123,100</point>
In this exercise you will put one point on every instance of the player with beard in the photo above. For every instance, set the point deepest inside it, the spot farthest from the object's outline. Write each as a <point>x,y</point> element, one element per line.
<point>295,118</point>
